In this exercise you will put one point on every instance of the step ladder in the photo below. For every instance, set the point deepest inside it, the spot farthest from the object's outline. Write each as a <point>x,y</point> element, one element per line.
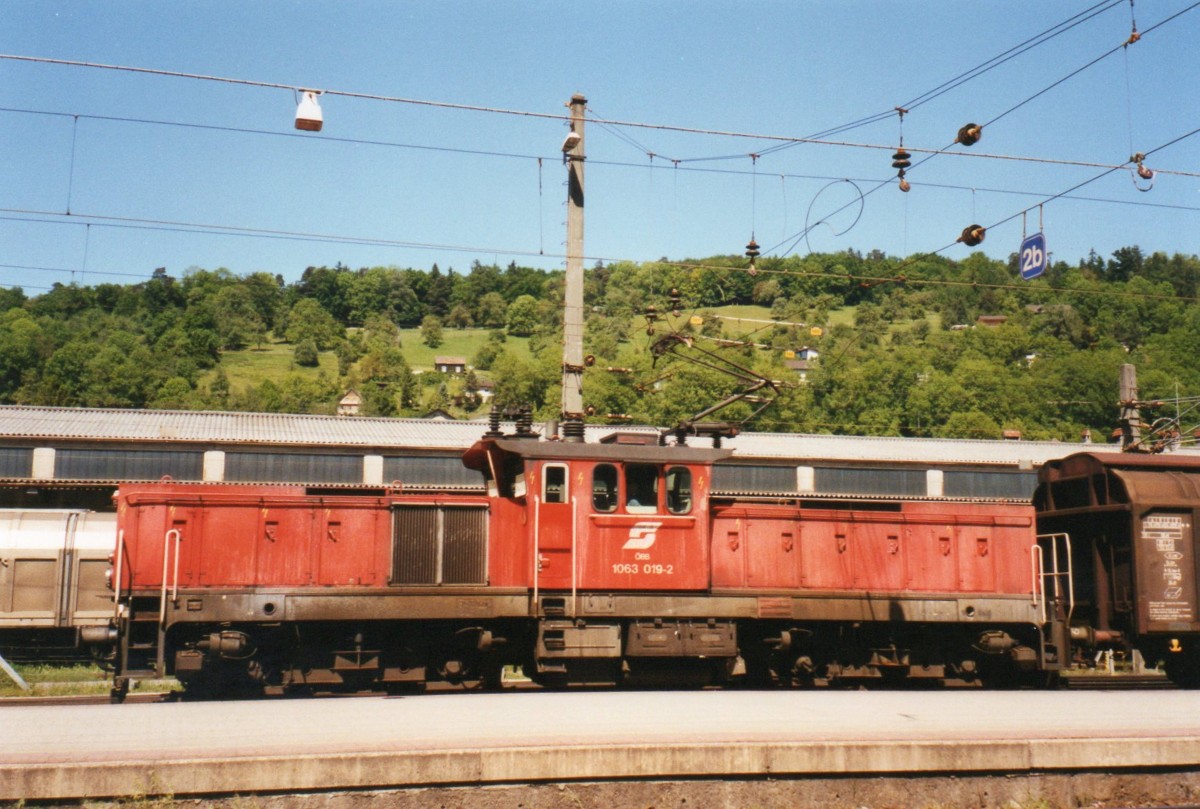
<point>1053,597</point>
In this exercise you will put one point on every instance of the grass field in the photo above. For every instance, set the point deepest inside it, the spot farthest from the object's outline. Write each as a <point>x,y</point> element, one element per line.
<point>455,343</point>
<point>249,367</point>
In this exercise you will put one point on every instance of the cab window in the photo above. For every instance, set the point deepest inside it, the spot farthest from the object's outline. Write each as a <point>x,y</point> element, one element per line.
<point>604,487</point>
<point>554,484</point>
<point>641,488</point>
<point>679,490</point>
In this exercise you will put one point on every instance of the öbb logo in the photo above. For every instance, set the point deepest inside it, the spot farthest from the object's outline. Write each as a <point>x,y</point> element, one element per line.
<point>641,536</point>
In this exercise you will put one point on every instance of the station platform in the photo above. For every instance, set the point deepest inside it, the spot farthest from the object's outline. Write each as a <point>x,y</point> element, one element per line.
<point>72,752</point>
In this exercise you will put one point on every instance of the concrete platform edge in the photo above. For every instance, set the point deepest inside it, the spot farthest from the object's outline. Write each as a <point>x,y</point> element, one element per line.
<point>245,775</point>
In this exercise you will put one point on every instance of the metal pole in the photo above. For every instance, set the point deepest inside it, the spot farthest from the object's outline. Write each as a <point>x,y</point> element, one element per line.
<point>572,380</point>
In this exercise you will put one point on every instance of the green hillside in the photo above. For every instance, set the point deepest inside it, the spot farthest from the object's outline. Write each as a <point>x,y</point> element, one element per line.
<point>922,346</point>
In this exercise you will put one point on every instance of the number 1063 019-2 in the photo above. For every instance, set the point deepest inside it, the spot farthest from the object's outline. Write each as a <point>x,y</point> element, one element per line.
<point>647,568</point>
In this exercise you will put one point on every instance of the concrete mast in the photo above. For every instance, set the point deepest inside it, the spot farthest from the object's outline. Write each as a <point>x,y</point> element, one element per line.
<point>572,378</point>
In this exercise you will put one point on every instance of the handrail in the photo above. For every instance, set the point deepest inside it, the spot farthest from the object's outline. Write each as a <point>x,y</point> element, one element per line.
<point>117,577</point>
<point>1037,571</point>
<point>1059,569</point>
<point>175,576</point>
<point>162,599</point>
<point>537,553</point>
<point>574,556</point>
<point>1070,573</point>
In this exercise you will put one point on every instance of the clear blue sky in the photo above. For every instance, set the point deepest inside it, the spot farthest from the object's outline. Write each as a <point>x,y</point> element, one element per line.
<point>470,182</point>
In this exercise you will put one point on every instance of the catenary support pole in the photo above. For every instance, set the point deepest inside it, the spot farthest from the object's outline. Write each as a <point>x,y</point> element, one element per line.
<point>572,379</point>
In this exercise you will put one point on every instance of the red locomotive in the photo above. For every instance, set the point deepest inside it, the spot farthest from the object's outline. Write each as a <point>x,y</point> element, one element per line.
<point>583,563</point>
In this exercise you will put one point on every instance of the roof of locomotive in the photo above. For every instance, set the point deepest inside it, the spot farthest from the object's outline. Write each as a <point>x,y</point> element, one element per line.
<point>475,457</point>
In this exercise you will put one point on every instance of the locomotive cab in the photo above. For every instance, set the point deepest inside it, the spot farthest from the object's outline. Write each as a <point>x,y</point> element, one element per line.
<point>617,541</point>
<point>603,517</point>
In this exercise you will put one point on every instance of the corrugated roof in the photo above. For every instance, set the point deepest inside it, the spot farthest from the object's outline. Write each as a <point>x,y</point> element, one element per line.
<point>21,422</point>
<point>17,421</point>
<point>896,449</point>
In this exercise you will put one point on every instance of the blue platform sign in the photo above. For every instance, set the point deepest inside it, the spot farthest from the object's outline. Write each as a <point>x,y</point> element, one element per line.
<point>1033,256</point>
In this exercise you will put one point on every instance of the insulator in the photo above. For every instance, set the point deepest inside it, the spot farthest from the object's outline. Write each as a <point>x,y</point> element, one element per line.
<point>1145,173</point>
<point>752,254</point>
<point>973,235</point>
<point>589,360</point>
<point>901,159</point>
<point>970,134</point>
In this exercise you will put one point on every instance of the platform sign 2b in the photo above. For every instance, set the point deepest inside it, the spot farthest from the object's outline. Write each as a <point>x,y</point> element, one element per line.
<point>1033,256</point>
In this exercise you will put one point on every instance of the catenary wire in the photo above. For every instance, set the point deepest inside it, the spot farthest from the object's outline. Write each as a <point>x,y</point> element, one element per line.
<point>333,238</point>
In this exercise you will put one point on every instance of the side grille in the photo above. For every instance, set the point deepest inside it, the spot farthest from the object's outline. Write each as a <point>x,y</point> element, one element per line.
<point>439,545</point>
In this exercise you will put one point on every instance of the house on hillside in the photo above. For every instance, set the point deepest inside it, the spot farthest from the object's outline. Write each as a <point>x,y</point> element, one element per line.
<point>450,365</point>
<point>802,360</point>
<point>350,403</point>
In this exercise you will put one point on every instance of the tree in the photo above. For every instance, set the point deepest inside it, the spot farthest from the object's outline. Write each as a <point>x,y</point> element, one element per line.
<point>266,295</point>
<point>324,285</point>
<point>520,281</point>
<point>174,394</point>
<point>12,298</point>
<point>519,382</point>
<point>486,355</point>
<point>306,354</point>
<point>22,345</point>
<point>309,320</point>
<point>1126,262</point>
<point>237,319</point>
<point>460,317</point>
<point>388,383</point>
<point>431,331</point>
<point>481,280</point>
<point>491,311</point>
<point>347,355</point>
<point>219,387</point>
<point>523,316</point>
<point>439,291</point>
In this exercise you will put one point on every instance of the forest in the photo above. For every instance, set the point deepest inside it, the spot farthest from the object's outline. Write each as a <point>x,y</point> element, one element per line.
<point>917,346</point>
